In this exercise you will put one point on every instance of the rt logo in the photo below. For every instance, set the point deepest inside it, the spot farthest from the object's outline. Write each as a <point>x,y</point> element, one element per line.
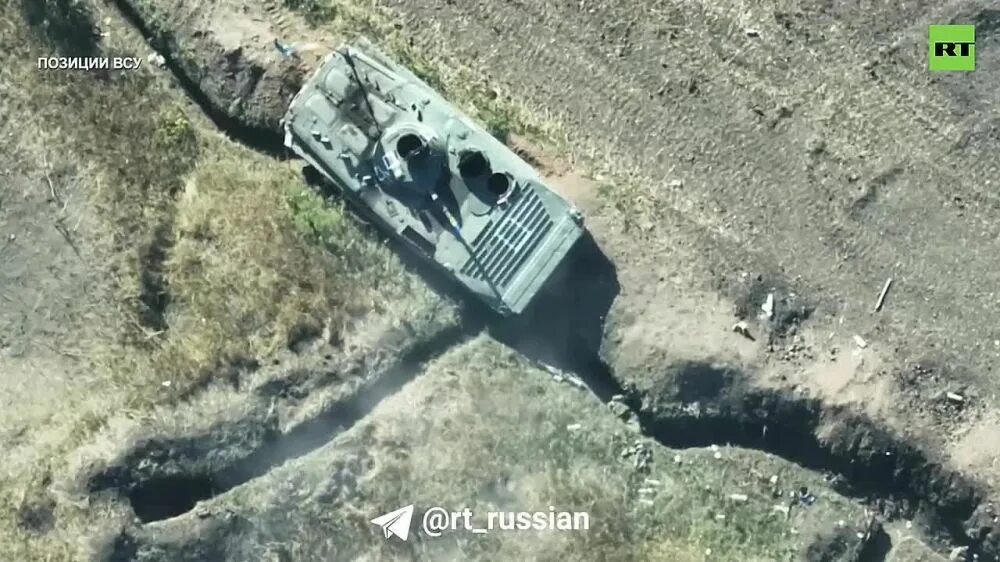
<point>952,47</point>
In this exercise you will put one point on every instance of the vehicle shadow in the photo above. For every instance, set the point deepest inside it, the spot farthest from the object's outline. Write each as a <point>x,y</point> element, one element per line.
<point>563,326</point>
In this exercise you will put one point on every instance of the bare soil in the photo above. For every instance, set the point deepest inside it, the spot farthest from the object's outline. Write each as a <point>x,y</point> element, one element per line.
<point>725,154</point>
<point>799,149</point>
<point>55,298</point>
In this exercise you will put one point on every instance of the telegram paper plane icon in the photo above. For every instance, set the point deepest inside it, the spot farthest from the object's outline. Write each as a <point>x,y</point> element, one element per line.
<point>396,522</point>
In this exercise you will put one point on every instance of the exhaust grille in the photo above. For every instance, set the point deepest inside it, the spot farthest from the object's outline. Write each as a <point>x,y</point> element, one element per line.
<point>506,244</point>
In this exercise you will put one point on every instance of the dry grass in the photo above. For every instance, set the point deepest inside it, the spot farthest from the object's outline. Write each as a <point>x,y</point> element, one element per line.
<point>216,254</point>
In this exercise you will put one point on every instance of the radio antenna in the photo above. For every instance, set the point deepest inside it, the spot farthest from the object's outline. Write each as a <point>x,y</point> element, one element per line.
<point>364,91</point>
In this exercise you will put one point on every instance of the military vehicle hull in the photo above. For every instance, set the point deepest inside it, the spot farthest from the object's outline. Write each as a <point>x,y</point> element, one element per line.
<point>431,177</point>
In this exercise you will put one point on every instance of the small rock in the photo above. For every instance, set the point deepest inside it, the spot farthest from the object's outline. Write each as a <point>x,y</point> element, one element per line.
<point>675,184</point>
<point>739,497</point>
<point>156,59</point>
<point>751,32</point>
<point>860,342</point>
<point>954,397</point>
<point>620,410</point>
<point>677,459</point>
<point>773,480</point>
<point>815,145</point>
<point>743,329</point>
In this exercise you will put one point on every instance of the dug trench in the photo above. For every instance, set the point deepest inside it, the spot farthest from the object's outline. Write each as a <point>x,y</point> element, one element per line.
<point>713,404</point>
<point>164,478</point>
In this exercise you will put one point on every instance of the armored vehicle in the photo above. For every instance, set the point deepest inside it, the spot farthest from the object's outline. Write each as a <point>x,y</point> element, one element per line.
<point>430,176</point>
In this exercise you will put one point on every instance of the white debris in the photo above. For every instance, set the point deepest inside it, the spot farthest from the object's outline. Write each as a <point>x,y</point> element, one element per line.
<point>860,342</point>
<point>881,296</point>
<point>646,490</point>
<point>646,501</point>
<point>768,307</point>
<point>677,459</point>
<point>782,509</point>
<point>841,523</point>
<point>739,497</point>
<point>560,376</point>
<point>575,381</point>
<point>165,384</point>
<point>955,397</point>
<point>652,482</point>
<point>720,516</point>
<point>573,427</point>
<point>743,329</point>
<point>773,480</point>
<point>958,553</point>
<point>156,59</point>
<point>717,455</point>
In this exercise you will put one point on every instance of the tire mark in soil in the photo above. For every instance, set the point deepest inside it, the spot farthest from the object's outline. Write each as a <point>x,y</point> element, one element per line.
<point>154,296</point>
